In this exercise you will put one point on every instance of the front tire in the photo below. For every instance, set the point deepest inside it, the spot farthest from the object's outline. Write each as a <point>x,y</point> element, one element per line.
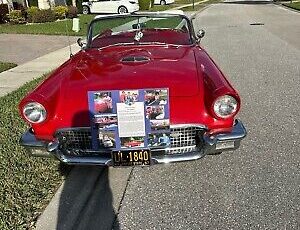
<point>85,10</point>
<point>122,10</point>
<point>163,2</point>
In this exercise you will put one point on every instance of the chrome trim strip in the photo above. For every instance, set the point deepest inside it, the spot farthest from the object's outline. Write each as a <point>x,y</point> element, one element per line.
<point>174,148</point>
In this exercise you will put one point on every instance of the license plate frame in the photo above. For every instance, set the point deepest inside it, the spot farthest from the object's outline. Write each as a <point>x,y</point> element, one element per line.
<point>131,157</point>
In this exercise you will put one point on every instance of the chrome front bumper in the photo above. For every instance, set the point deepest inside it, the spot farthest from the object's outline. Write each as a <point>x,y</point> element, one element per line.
<point>211,144</point>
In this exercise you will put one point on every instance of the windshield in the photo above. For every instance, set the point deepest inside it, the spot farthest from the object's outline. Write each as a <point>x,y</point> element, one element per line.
<point>139,29</point>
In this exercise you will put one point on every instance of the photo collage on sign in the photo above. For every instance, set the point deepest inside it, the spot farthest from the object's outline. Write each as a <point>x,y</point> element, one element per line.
<point>124,119</point>
<point>105,120</point>
<point>157,113</point>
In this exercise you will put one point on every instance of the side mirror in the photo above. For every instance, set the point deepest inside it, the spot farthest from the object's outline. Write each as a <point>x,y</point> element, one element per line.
<point>81,43</point>
<point>200,34</point>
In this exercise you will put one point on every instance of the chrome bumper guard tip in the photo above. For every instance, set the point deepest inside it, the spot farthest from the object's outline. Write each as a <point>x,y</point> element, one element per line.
<point>33,146</point>
<point>211,144</point>
<point>225,141</point>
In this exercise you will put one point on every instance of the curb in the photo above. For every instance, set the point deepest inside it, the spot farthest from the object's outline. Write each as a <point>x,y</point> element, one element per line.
<point>286,7</point>
<point>190,4</point>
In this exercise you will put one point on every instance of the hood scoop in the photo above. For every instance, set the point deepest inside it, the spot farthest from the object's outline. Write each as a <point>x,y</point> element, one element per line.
<point>135,59</point>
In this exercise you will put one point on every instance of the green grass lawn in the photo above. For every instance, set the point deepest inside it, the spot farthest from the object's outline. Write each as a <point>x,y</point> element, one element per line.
<point>294,5</point>
<point>6,66</point>
<point>59,27</point>
<point>26,184</point>
<point>161,7</point>
<point>49,28</point>
<point>185,1</point>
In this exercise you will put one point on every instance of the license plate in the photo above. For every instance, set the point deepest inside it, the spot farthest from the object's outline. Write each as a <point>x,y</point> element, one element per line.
<point>131,157</point>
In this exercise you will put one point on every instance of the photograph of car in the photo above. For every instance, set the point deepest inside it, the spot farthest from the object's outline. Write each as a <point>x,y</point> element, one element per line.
<point>106,139</point>
<point>160,124</point>
<point>153,50</point>
<point>110,6</point>
<point>105,121</point>
<point>103,102</point>
<point>131,142</point>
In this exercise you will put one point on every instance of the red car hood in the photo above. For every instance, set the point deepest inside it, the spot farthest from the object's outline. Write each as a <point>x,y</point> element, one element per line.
<point>137,68</point>
<point>64,93</point>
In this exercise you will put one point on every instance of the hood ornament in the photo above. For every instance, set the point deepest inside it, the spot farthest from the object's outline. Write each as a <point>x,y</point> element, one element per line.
<point>138,36</point>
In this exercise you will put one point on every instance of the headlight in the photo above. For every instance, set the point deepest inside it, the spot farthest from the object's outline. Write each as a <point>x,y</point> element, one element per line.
<point>34,112</point>
<point>225,106</point>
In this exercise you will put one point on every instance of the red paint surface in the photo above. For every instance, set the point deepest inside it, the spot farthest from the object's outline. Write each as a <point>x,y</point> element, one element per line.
<point>193,79</point>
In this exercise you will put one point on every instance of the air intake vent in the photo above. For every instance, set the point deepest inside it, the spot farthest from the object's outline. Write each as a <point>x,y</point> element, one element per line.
<point>135,59</point>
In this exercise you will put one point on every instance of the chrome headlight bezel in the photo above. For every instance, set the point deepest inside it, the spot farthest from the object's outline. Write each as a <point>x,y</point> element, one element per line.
<point>34,112</point>
<point>225,106</point>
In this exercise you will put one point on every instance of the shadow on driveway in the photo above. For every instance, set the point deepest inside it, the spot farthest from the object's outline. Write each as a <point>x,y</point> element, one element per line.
<point>86,201</point>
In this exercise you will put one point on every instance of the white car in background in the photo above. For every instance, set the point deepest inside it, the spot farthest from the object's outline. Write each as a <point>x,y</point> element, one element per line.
<point>110,6</point>
<point>163,2</point>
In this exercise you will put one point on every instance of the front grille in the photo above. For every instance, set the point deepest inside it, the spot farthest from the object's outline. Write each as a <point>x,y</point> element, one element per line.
<point>79,138</point>
<point>78,141</point>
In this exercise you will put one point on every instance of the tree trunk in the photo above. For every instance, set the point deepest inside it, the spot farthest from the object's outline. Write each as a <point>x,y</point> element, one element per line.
<point>26,5</point>
<point>10,5</point>
<point>74,3</point>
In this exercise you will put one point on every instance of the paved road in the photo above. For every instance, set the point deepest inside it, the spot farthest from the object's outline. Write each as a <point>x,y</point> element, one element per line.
<point>258,186</point>
<point>21,48</point>
<point>255,187</point>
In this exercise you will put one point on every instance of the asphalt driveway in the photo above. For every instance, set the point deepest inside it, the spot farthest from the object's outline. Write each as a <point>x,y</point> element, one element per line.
<point>258,186</point>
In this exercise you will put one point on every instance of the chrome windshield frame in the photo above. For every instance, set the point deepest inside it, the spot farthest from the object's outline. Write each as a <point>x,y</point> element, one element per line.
<point>138,15</point>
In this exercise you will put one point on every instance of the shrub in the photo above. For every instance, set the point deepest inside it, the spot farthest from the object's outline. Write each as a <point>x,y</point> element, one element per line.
<point>144,4</point>
<point>3,12</point>
<point>31,11</point>
<point>17,5</point>
<point>44,16</point>
<point>78,5</point>
<point>33,2</point>
<point>72,12</point>
<point>60,12</point>
<point>16,17</point>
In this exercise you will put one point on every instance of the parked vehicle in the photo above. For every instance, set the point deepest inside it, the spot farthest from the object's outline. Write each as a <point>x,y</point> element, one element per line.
<point>143,54</point>
<point>110,6</point>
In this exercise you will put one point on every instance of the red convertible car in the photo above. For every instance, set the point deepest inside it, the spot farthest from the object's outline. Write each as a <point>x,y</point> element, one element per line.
<point>141,51</point>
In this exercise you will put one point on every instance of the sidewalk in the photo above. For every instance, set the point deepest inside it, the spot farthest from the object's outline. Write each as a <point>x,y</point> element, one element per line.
<point>22,48</point>
<point>16,77</point>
